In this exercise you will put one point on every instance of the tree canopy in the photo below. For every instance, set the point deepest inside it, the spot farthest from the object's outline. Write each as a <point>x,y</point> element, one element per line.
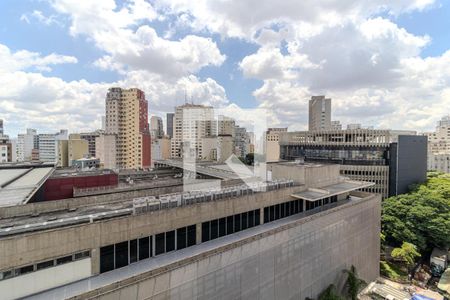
<point>421,217</point>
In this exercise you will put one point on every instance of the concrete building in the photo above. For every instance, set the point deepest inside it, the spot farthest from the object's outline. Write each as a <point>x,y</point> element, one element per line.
<point>26,143</point>
<point>355,126</point>
<point>86,163</point>
<point>105,150</point>
<point>192,123</point>
<point>217,148</point>
<point>91,137</point>
<point>127,117</point>
<point>48,148</point>
<point>439,146</point>
<point>336,125</point>
<point>439,162</point>
<point>2,132</point>
<point>282,239</point>
<point>319,113</point>
<point>72,149</point>
<point>393,162</point>
<point>226,126</point>
<point>5,149</point>
<point>169,124</point>
<point>272,145</point>
<point>241,141</point>
<point>161,148</point>
<point>156,127</point>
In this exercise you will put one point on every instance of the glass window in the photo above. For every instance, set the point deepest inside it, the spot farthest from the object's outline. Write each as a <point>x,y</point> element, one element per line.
<point>181,238</point>
<point>192,235</point>
<point>244,221</point>
<point>205,232</point>
<point>266,214</point>
<point>160,241</point>
<point>230,225</point>
<point>63,260</point>
<point>272,213</point>
<point>121,254</point>
<point>251,219</point>
<point>257,215</point>
<point>170,241</point>
<point>214,229</point>
<point>106,258</point>
<point>144,248</point>
<point>277,211</point>
<point>283,210</point>
<point>81,255</point>
<point>222,227</point>
<point>24,270</point>
<point>133,251</point>
<point>45,264</point>
<point>237,222</point>
<point>6,274</point>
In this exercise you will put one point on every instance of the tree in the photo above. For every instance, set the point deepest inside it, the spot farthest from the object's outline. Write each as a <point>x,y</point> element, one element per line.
<point>407,252</point>
<point>330,293</point>
<point>353,283</point>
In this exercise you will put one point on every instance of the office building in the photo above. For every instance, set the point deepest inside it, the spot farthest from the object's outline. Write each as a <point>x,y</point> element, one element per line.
<point>336,125</point>
<point>217,148</point>
<point>48,145</point>
<point>272,145</point>
<point>169,124</point>
<point>226,126</point>
<point>241,141</point>
<point>26,143</point>
<point>319,113</point>
<point>127,117</point>
<point>156,127</point>
<point>91,137</point>
<point>282,239</point>
<point>105,150</point>
<point>192,122</point>
<point>6,149</point>
<point>161,148</point>
<point>1,128</point>
<point>439,146</point>
<point>439,162</point>
<point>72,149</point>
<point>393,162</point>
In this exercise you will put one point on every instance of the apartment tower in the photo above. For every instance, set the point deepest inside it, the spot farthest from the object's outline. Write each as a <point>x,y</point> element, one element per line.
<point>319,113</point>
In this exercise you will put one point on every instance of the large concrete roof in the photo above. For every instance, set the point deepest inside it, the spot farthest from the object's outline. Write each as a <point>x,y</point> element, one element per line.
<point>313,194</point>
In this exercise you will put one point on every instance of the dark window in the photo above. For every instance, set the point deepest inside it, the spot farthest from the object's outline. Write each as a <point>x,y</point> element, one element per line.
<point>230,225</point>
<point>121,251</point>
<point>6,274</point>
<point>144,248</point>
<point>170,241</point>
<point>296,207</point>
<point>272,213</point>
<point>181,238</point>
<point>133,251</point>
<point>244,221</point>
<point>205,232</point>
<point>266,214</point>
<point>45,264</point>
<point>159,243</point>
<point>63,260</point>
<point>214,229</point>
<point>283,210</point>
<point>251,219</point>
<point>277,212</point>
<point>24,270</point>
<point>106,258</point>
<point>300,205</point>
<point>237,222</point>
<point>222,226</point>
<point>192,235</point>
<point>257,215</point>
<point>81,255</point>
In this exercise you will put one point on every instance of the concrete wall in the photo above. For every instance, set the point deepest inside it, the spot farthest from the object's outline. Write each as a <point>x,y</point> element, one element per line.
<point>312,176</point>
<point>293,261</point>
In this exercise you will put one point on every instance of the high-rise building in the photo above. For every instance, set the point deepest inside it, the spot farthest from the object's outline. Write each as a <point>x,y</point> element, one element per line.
<point>192,123</point>
<point>1,127</point>
<point>272,145</point>
<point>26,143</point>
<point>48,145</point>
<point>105,150</point>
<point>225,126</point>
<point>241,141</point>
<point>127,117</point>
<point>336,125</point>
<point>390,159</point>
<point>439,146</point>
<point>6,149</point>
<point>169,124</point>
<point>90,137</point>
<point>319,113</point>
<point>156,127</point>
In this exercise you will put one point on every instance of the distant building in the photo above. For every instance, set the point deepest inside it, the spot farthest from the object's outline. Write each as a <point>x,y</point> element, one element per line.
<point>354,126</point>
<point>439,146</point>
<point>47,143</point>
<point>319,113</point>
<point>5,149</point>
<point>226,126</point>
<point>26,143</point>
<point>105,150</point>
<point>156,127</point>
<point>86,163</point>
<point>336,125</point>
<point>72,149</point>
<point>393,162</point>
<point>217,148</point>
<point>127,117</point>
<point>169,124</point>
<point>1,128</point>
<point>272,145</point>
<point>439,162</point>
<point>90,137</point>
<point>161,148</point>
<point>241,141</point>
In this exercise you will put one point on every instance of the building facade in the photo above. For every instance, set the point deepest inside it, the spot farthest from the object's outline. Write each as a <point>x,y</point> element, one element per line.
<point>241,141</point>
<point>91,137</point>
<point>393,162</point>
<point>272,143</point>
<point>169,124</point>
<point>439,146</point>
<point>71,150</point>
<point>127,117</point>
<point>48,145</point>
<point>105,150</point>
<point>156,127</point>
<point>26,143</point>
<point>319,113</point>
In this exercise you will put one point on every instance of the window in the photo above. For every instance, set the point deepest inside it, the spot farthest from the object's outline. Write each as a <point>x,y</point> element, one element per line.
<point>45,264</point>
<point>133,251</point>
<point>205,231</point>
<point>159,243</point>
<point>214,229</point>
<point>121,254</point>
<point>237,222</point>
<point>170,241</point>
<point>24,270</point>
<point>63,260</point>
<point>106,258</point>
<point>222,227</point>
<point>230,225</point>
<point>244,221</point>
<point>81,255</point>
<point>181,238</point>
<point>144,247</point>
<point>192,235</point>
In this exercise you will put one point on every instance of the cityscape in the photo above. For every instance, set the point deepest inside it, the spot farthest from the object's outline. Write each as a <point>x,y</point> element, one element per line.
<point>154,175</point>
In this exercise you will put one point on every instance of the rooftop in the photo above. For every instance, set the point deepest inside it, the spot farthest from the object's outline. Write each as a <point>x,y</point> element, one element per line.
<point>313,194</point>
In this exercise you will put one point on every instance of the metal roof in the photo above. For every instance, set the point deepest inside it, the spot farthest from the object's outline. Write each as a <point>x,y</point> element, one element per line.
<point>313,194</point>
<point>17,186</point>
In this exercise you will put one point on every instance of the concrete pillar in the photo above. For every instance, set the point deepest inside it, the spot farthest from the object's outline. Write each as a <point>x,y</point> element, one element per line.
<point>95,261</point>
<point>198,228</point>
<point>261,215</point>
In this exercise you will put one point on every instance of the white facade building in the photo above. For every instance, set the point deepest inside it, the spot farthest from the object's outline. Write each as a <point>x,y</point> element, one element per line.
<point>25,144</point>
<point>48,145</point>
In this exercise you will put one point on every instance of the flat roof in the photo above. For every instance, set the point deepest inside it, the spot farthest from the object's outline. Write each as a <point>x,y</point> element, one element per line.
<point>17,186</point>
<point>314,194</point>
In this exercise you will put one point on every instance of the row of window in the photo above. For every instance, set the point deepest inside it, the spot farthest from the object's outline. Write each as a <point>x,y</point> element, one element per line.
<point>224,226</point>
<point>122,254</point>
<point>43,265</point>
<point>282,210</point>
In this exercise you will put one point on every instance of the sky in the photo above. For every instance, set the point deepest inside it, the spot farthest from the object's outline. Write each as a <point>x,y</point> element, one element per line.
<point>384,63</point>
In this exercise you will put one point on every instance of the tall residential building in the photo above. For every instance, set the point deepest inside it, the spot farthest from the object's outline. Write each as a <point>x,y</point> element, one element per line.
<point>192,123</point>
<point>439,146</point>
<point>127,117</point>
<point>156,127</point>
<point>26,143</point>
<point>390,159</point>
<point>272,143</point>
<point>169,124</point>
<point>161,148</point>
<point>90,137</point>
<point>105,150</point>
<point>319,113</point>
<point>1,127</point>
<point>241,141</point>
<point>48,145</point>
<point>225,125</point>
<point>6,149</point>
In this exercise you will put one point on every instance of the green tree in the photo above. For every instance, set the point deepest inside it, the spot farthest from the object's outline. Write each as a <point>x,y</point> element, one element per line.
<point>407,252</point>
<point>330,293</point>
<point>353,283</point>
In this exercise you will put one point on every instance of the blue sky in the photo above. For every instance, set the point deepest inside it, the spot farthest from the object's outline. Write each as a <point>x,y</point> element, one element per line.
<point>266,57</point>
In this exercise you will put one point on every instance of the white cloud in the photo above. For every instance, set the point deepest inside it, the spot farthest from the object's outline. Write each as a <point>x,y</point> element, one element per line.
<point>40,17</point>
<point>23,59</point>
